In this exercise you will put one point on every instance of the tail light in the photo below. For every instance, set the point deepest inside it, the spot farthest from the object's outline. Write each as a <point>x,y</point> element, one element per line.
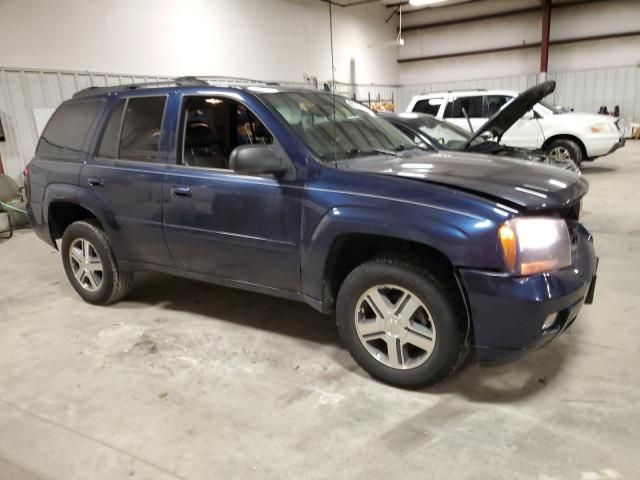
<point>27,188</point>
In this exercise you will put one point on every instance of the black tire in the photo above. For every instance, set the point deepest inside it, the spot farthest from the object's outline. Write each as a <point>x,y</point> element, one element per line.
<point>114,284</point>
<point>441,299</point>
<point>574,150</point>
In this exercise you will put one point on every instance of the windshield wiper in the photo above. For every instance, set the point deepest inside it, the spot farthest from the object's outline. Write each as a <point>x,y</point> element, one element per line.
<point>357,151</point>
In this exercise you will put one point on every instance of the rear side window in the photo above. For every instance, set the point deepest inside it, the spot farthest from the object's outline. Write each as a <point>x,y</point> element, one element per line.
<point>137,135</point>
<point>66,132</point>
<point>472,105</point>
<point>110,138</point>
<point>430,106</point>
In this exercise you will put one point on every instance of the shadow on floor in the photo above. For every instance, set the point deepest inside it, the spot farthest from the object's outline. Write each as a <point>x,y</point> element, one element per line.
<point>511,382</point>
<point>503,384</point>
<point>596,169</point>
<point>232,305</point>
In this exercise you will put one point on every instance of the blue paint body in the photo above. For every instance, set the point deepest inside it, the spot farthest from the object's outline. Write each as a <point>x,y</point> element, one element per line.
<point>275,236</point>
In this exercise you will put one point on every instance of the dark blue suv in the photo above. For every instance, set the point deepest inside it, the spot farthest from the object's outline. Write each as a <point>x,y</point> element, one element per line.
<point>423,256</point>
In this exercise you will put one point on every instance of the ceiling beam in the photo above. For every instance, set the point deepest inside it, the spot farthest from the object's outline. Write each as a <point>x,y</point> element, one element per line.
<point>352,4</point>
<point>562,41</point>
<point>426,7</point>
<point>489,16</point>
<point>546,29</point>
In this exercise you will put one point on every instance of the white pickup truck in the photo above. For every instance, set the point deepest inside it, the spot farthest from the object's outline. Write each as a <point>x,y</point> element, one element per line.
<point>563,135</point>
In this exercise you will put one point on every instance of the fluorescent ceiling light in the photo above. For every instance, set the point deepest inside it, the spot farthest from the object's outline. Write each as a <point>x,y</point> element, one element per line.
<point>422,3</point>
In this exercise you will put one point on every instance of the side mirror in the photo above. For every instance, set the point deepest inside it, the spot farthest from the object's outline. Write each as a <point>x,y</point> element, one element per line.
<point>486,136</point>
<point>257,160</point>
<point>530,115</point>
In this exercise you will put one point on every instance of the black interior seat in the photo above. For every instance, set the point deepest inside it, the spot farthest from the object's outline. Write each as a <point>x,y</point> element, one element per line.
<point>202,147</point>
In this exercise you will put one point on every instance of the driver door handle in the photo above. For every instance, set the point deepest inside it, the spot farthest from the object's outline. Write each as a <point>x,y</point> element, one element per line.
<point>181,192</point>
<point>95,181</point>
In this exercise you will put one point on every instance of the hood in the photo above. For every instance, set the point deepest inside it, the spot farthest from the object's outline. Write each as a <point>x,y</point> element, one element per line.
<point>502,120</point>
<point>528,185</point>
<point>582,118</point>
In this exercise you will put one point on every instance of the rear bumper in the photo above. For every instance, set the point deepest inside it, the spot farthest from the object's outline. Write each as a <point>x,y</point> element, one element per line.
<point>39,226</point>
<point>508,313</point>
<point>618,145</point>
<point>598,145</point>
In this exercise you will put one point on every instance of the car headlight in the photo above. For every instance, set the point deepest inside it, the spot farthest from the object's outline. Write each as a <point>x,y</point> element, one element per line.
<point>601,128</point>
<point>535,245</point>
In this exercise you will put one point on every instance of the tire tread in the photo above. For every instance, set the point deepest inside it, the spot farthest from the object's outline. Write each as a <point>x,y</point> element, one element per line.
<point>122,281</point>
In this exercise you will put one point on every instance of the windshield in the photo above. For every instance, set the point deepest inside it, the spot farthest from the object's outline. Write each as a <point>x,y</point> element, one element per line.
<point>551,108</point>
<point>356,130</point>
<point>445,134</point>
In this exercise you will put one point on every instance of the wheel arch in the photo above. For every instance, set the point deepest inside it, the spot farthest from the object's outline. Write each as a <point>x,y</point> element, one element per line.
<point>62,213</point>
<point>566,136</point>
<point>352,249</point>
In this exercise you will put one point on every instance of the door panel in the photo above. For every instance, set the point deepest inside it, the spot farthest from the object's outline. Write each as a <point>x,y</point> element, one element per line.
<point>525,133</point>
<point>231,226</point>
<point>130,197</point>
<point>128,191</point>
<point>217,222</point>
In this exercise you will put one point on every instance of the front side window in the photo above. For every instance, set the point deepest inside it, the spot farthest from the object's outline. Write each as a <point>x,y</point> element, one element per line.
<point>349,130</point>
<point>213,126</point>
<point>65,134</point>
<point>430,106</point>
<point>495,103</point>
<point>472,105</point>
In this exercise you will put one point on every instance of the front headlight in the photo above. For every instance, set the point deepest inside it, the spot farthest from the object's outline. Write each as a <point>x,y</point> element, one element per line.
<point>535,245</point>
<point>601,128</point>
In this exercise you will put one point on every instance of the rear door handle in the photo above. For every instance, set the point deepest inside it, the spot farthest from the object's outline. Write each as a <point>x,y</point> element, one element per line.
<point>181,192</point>
<point>95,181</point>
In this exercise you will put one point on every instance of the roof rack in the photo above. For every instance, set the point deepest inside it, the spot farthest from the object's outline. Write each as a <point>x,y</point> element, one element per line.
<point>188,81</point>
<point>179,82</point>
<point>468,90</point>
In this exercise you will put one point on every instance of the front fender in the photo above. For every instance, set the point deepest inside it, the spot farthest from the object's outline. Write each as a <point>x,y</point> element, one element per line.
<point>463,239</point>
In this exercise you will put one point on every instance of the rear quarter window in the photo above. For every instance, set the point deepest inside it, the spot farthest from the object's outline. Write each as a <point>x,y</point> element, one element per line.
<point>65,135</point>
<point>141,128</point>
<point>429,105</point>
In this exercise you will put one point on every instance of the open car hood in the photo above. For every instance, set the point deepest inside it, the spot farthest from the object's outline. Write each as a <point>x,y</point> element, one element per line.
<point>530,186</point>
<point>504,119</point>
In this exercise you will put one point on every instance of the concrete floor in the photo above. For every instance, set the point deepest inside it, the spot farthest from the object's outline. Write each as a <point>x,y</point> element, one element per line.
<point>190,381</point>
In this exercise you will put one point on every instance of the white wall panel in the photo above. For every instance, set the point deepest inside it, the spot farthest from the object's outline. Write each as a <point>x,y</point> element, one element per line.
<point>266,39</point>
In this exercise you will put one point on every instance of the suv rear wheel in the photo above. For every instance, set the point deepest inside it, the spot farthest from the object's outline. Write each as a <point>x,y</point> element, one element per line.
<point>400,323</point>
<point>91,266</point>
<point>563,150</point>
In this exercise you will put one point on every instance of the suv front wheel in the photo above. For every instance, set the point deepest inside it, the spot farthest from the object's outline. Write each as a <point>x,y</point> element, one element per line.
<point>400,323</point>
<point>91,266</point>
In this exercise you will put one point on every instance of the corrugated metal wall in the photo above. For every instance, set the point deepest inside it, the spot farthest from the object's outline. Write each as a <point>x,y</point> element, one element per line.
<point>584,91</point>
<point>22,90</point>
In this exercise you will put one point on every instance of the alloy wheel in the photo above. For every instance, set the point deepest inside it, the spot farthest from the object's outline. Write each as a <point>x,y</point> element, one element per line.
<point>86,264</point>
<point>395,326</point>
<point>560,153</point>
